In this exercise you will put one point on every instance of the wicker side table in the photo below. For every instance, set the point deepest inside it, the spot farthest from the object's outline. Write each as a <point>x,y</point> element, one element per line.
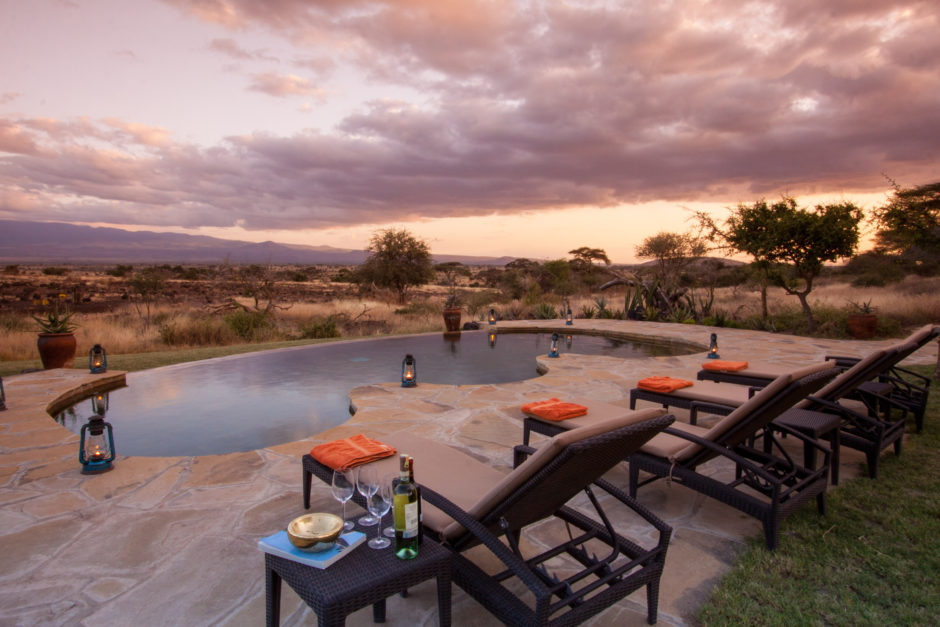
<point>364,577</point>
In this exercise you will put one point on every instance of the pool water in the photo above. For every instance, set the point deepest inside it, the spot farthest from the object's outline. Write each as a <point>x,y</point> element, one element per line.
<point>250,401</point>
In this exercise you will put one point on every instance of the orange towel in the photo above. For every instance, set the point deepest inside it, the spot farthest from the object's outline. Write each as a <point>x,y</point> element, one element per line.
<point>662,384</point>
<point>350,452</point>
<point>554,409</point>
<point>724,366</point>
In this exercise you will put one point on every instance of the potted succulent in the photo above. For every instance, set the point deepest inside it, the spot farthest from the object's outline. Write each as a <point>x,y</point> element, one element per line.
<point>56,341</point>
<point>862,321</point>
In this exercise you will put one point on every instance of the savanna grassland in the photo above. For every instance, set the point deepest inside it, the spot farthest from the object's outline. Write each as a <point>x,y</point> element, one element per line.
<point>175,308</point>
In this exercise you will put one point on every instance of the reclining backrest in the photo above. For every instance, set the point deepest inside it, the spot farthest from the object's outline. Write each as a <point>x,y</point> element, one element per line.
<point>562,467</point>
<point>923,335</point>
<point>865,370</point>
<point>761,409</point>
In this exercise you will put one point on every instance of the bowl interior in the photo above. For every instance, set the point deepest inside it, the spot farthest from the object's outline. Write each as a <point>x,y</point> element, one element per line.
<point>316,527</point>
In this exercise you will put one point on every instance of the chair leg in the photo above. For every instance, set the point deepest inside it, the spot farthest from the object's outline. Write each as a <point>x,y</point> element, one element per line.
<point>872,457</point>
<point>897,444</point>
<point>770,533</point>
<point>634,480</point>
<point>308,476</point>
<point>821,503</point>
<point>652,601</point>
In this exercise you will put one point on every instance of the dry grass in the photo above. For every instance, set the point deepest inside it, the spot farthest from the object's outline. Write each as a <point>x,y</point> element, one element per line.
<point>913,301</point>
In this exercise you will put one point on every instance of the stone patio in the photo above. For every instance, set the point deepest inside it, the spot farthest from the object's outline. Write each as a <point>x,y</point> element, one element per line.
<point>172,540</point>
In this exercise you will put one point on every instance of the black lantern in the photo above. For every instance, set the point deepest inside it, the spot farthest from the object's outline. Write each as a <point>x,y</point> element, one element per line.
<point>713,347</point>
<point>569,318</point>
<point>99,403</point>
<point>96,449</point>
<point>492,316</point>
<point>409,372</point>
<point>568,341</point>
<point>97,359</point>
<point>3,397</point>
<point>554,350</point>
<point>492,339</point>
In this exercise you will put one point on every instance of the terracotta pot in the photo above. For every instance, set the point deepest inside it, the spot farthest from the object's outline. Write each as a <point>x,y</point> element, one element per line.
<point>56,350</point>
<point>862,326</point>
<point>452,319</point>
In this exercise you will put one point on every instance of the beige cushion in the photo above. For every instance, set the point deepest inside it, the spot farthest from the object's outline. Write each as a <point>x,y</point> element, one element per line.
<point>667,445</point>
<point>711,392</point>
<point>921,335</point>
<point>741,413</point>
<point>473,485</point>
<point>597,411</point>
<point>837,382</point>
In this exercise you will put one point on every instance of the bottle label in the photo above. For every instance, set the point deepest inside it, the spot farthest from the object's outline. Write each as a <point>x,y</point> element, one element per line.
<point>411,520</point>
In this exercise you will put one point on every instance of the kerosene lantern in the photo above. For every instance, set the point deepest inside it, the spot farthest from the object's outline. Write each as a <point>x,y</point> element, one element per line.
<point>97,359</point>
<point>492,339</point>
<point>554,349</point>
<point>409,372</point>
<point>96,449</point>
<point>713,347</point>
<point>568,341</point>
<point>569,318</point>
<point>492,316</point>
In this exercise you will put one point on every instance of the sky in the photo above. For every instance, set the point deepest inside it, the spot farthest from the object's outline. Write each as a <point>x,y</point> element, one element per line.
<point>519,128</point>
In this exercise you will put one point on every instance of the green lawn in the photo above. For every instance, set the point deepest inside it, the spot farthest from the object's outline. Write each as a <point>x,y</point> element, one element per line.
<point>874,559</point>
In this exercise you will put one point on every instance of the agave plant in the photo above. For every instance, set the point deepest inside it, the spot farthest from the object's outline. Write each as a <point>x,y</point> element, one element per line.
<point>56,320</point>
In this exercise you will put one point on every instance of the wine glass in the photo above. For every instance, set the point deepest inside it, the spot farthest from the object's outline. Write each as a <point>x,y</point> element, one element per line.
<point>379,504</point>
<point>367,482</point>
<point>342,488</point>
<point>389,532</point>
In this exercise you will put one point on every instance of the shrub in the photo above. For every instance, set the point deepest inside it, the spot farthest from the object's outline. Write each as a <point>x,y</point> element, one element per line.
<point>544,311</point>
<point>120,270</point>
<point>55,271</point>
<point>250,325</point>
<point>319,328</point>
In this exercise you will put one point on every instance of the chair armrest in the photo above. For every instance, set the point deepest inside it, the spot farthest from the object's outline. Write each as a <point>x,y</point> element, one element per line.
<point>724,452</point>
<point>714,408</point>
<point>520,453</point>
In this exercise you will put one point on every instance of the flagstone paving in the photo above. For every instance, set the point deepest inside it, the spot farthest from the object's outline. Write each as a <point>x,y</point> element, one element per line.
<point>172,540</point>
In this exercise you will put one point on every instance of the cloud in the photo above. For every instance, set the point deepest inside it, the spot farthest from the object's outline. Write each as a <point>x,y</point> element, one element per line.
<point>231,48</point>
<point>523,107</point>
<point>284,85</point>
<point>9,96</point>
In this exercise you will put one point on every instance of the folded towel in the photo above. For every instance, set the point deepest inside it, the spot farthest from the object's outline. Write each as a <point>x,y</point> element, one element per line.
<point>724,366</point>
<point>350,452</point>
<point>662,384</point>
<point>554,409</point>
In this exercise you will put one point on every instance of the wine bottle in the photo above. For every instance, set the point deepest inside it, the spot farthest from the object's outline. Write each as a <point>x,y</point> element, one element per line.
<point>411,474</point>
<point>406,513</point>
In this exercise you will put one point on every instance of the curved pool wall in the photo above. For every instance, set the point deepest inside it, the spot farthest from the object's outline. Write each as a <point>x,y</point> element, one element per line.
<point>261,399</point>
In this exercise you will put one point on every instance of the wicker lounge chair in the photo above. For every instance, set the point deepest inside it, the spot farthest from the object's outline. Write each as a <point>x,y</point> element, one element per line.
<point>468,503</point>
<point>864,426</point>
<point>892,386</point>
<point>768,484</point>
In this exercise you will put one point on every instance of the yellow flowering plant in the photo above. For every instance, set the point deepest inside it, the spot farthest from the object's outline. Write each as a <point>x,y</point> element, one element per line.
<point>56,320</point>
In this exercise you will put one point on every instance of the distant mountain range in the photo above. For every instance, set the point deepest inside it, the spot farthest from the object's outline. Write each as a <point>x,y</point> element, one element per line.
<point>60,242</point>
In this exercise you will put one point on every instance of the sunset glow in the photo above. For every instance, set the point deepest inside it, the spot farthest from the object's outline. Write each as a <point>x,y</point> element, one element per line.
<point>487,128</point>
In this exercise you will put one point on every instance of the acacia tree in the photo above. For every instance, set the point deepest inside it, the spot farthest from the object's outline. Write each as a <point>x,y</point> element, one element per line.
<point>398,260</point>
<point>790,244</point>
<point>672,252</point>
<point>909,224</point>
<point>583,263</point>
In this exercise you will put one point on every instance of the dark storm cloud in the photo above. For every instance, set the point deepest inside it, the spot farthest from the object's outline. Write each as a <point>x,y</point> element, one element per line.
<point>527,106</point>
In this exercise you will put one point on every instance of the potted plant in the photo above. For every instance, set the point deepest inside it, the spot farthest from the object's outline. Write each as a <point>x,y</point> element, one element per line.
<point>56,341</point>
<point>862,321</point>
<point>452,313</point>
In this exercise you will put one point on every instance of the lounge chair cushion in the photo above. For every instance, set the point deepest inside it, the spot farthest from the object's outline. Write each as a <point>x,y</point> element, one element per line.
<point>835,388</point>
<point>668,446</point>
<point>476,487</point>
<point>596,411</point>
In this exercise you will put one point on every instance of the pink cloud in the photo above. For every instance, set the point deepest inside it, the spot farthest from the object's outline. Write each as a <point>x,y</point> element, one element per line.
<point>284,85</point>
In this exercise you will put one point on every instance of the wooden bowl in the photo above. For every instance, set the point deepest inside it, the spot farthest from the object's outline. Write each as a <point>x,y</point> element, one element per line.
<point>315,532</point>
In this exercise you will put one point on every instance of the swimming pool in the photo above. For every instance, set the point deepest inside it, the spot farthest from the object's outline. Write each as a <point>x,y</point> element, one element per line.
<point>251,401</point>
